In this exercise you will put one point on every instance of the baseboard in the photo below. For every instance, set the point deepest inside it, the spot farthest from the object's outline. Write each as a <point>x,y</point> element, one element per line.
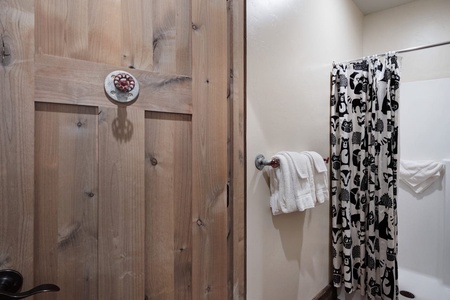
<point>328,293</point>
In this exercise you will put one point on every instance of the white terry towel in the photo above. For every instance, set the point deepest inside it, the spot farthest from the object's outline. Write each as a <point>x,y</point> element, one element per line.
<point>419,175</point>
<point>320,177</point>
<point>290,183</point>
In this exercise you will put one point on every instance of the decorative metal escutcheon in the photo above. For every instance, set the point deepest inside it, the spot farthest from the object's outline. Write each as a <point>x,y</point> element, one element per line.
<point>121,86</point>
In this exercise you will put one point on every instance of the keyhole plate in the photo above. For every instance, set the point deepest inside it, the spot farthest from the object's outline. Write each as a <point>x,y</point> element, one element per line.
<point>117,95</point>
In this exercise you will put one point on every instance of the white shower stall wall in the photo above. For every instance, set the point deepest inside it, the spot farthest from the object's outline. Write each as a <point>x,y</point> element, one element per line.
<point>424,219</point>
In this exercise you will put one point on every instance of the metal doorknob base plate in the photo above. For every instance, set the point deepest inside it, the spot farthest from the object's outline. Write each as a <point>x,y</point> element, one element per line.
<point>127,90</point>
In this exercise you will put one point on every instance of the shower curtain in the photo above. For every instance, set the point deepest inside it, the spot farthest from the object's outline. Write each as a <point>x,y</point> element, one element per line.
<point>364,135</point>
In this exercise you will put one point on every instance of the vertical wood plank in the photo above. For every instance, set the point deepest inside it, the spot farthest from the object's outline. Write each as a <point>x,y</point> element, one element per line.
<point>146,35</point>
<point>238,151</point>
<point>17,137</point>
<point>76,33</point>
<point>230,106</point>
<point>50,26</point>
<point>46,198</point>
<point>105,31</point>
<point>121,203</point>
<point>164,36</point>
<point>168,206</point>
<point>66,200</point>
<point>209,121</point>
<point>172,36</point>
<point>62,28</point>
<point>137,34</point>
<point>183,37</point>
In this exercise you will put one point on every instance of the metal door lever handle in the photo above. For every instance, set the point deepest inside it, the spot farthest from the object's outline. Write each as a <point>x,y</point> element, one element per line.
<point>11,282</point>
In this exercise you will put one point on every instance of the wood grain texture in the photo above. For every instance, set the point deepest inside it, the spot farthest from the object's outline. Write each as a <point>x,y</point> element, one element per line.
<point>146,35</point>
<point>209,121</point>
<point>68,81</point>
<point>62,28</point>
<point>238,150</point>
<point>168,206</point>
<point>183,37</point>
<point>17,137</point>
<point>121,204</point>
<point>170,220</point>
<point>137,46</point>
<point>50,22</point>
<point>171,36</point>
<point>164,36</point>
<point>105,31</point>
<point>230,233</point>
<point>66,193</point>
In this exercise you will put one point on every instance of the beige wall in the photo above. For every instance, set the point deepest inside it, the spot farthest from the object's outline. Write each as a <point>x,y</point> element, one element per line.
<point>290,48</point>
<point>415,24</point>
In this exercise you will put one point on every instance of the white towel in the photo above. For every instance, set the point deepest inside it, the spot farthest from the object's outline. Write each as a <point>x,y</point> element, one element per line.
<point>290,183</point>
<point>320,177</point>
<point>419,175</point>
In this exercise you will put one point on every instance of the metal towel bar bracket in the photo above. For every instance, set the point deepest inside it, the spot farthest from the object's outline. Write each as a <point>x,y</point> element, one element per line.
<point>261,162</point>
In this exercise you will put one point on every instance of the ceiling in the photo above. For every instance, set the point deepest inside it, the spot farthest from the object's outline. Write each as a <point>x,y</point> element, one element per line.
<point>371,6</point>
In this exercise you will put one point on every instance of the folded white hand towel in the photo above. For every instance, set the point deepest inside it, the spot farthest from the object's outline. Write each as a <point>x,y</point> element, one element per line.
<point>419,175</point>
<point>300,163</point>
<point>320,177</point>
<point>290,183</point>
<point>280,184</point>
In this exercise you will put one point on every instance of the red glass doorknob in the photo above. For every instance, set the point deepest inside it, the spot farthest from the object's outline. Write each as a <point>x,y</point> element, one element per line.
<point>124,82</point>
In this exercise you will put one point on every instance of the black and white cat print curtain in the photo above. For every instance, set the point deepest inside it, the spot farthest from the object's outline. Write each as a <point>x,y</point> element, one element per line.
<point>364,136</point>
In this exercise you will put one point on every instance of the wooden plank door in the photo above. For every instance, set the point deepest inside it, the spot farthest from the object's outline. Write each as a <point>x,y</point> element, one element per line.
<point>117,201</point>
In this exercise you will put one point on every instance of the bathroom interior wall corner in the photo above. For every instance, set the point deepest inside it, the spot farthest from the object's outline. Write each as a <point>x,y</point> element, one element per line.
<point>290,47</point>
<point>418,23</point>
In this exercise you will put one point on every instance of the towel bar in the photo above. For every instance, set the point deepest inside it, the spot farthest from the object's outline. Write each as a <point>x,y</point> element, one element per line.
<point>261,162</point>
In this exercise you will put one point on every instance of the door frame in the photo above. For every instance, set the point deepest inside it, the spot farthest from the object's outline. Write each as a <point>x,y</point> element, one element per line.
<point>238,155</point>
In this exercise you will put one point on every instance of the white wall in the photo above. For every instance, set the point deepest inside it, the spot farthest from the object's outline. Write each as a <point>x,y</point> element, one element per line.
<point>424,131</point>
<point>415,24</point>
<point>291,45</point>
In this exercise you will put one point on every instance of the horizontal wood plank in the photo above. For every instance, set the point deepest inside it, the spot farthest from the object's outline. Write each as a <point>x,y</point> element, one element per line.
<point>69,81</point>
